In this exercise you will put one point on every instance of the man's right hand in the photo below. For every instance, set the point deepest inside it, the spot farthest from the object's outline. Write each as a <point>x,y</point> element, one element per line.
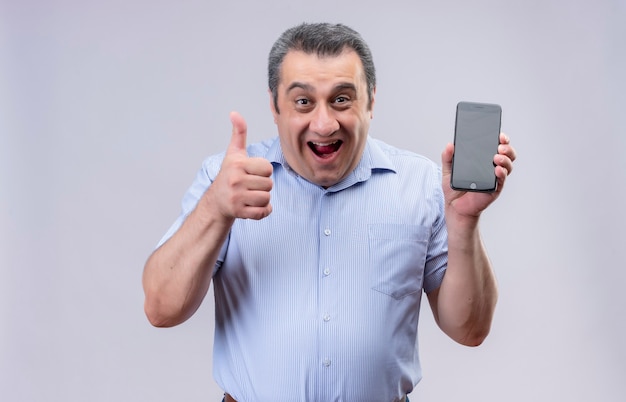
<point>242,187</point>
<point>178,274</point>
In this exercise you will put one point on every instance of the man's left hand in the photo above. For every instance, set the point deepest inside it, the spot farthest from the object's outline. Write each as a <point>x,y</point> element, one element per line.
<point>469,205</point>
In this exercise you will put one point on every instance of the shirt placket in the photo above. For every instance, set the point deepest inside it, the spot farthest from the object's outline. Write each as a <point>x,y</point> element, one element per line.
<point>328,287</point>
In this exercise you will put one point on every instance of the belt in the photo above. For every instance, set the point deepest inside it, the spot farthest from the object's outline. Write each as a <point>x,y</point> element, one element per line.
<point>228,398</point>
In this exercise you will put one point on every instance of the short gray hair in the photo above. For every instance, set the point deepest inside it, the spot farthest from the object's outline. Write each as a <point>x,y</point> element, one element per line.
<point>322,39</point>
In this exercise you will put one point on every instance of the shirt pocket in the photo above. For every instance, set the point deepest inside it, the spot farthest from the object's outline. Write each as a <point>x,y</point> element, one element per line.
<point>397,254</point>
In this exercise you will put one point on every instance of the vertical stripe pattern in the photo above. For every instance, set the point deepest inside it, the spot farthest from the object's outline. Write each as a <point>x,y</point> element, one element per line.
<point>320,300</point>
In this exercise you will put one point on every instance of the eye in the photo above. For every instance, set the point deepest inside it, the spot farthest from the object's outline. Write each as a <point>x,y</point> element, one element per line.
<point>302,101</point>
<point>342,102</point>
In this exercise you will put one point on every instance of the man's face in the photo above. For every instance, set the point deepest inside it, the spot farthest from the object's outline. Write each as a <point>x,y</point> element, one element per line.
<point>324,114</point>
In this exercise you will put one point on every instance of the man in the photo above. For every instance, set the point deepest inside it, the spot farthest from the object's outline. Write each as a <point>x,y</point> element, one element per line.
<point>320,241</point>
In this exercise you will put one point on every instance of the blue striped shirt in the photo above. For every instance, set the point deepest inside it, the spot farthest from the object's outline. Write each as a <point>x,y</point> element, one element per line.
<point>320,300</point>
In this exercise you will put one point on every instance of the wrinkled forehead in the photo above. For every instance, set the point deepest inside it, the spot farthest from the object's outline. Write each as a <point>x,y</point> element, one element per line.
<point>299,66</point>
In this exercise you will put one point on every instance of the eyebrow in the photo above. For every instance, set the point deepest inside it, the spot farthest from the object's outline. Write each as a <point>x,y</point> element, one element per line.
<point>307,87</point>
<point>345,86</point>
<point>300,85</point>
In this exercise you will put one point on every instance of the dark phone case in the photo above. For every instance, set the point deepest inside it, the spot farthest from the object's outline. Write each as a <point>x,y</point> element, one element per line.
<point>476,184</point>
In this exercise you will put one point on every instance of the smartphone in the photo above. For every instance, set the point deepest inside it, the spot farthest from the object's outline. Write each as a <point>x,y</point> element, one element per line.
<point>476,140</point>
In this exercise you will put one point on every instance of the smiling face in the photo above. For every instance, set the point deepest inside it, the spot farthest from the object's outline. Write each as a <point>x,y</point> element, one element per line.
<point>323,115</point>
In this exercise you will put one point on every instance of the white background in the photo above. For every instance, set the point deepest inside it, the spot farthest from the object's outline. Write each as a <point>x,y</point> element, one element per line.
<point>108,108</point>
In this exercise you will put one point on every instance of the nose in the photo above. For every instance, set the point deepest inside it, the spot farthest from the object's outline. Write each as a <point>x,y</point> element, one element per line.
<point>323,121</point>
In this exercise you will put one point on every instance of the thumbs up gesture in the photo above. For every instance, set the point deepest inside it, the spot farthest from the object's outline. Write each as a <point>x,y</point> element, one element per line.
<point>242,188</point>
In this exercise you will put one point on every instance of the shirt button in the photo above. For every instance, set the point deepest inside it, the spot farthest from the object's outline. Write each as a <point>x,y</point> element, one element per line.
<point>327,232</point>
<point>326,362</point>
<point>326,271</point>
<point>326,317</point>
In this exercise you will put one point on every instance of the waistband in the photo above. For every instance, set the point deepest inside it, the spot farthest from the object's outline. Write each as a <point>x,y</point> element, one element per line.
<point>228,398</point>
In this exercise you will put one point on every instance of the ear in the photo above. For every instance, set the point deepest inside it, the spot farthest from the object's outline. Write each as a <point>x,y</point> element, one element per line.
<point>273,106</point>
<point>372,102</point>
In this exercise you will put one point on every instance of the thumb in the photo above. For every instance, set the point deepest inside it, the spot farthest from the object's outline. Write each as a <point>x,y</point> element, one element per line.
<point>239,134</point>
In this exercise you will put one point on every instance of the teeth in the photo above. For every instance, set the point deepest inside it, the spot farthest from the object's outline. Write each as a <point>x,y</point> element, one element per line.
<point>322,144</point>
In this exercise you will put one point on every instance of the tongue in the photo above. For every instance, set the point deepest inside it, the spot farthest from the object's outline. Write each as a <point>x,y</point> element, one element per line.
<point>323,150</point>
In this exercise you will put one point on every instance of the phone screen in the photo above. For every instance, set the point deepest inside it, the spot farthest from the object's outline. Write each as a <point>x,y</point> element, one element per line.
<point>476,139</point>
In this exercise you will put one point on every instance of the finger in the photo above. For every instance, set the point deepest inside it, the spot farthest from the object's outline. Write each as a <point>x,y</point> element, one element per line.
<point>508,151</point>
<point>239,134</point>
<point>446,159</point>
<point>501,175</point>
<point>257,206</point>
<point>256,213</point>
<point>259,199</point>
<point>259,167</point>
<point>258,183</point>
<point>503,162</point>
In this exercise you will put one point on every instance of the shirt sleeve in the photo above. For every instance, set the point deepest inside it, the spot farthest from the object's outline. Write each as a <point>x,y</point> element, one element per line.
<point>203,180</point>
<point>437,257</point>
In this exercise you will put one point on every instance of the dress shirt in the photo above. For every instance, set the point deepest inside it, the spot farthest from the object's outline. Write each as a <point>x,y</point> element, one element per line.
<point>320,300</point>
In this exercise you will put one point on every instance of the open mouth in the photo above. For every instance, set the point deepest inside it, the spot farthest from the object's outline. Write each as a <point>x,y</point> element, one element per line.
<point>325,150</point>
